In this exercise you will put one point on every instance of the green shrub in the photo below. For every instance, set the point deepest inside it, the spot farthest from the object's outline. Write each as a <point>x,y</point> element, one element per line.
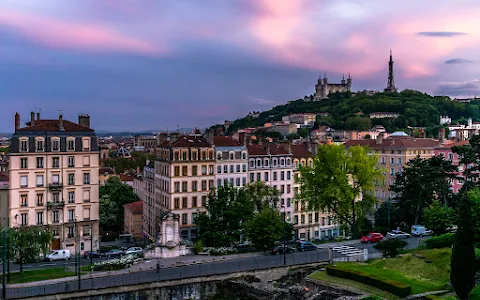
<point>391,247</point>
<point>441,241</point>
<point>198,246</point>
<point>397,288</point>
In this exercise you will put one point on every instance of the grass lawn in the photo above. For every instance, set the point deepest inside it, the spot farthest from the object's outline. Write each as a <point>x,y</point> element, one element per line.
<point>39,275</point>
<point>422,274</point>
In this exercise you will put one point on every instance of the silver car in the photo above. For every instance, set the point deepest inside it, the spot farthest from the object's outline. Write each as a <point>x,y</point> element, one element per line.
<point>397,234</point>
<point>134,251</point>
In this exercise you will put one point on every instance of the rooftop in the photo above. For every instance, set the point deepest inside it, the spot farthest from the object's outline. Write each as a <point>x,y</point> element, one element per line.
<point>185,141</point>
<point>54,125</point>
<point>395,143</point>
<point>301,151</point>
<point>135,207</point>
<point>261,149</point>
<point>225,141</point>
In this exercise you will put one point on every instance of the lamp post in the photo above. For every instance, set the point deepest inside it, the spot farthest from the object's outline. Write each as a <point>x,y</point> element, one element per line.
<point>91,243</point>
<point>77,255</point>
<point>284,235</point>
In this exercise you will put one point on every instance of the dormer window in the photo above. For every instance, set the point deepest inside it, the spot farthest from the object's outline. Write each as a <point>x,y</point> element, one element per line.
<point>244,155</point>
<point>39,145</point>
<point>259,162</point>
<point>265,163</point>
<point>282,162</point>
<point>24,145</point>
<point>55,144</point>
<point>231,155</point>
<point>219,155</point>
<point>86,144</point>
<point>71,144</point>
<point>210,155</point>
<point>289,162</point>
<point>194,155</point>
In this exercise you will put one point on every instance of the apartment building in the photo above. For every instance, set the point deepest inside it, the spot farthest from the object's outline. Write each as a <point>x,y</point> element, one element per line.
<point>231,161</point>
<point>273,164</point>
<point>393,153</point>
<point>144,187</point>
<point>54,180</point>
<point>132,219</point>
<point>445,149</point>
<point>184,176</point>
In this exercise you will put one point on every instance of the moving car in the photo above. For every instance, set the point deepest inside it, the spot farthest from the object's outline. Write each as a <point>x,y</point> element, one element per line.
<point>306,246</point>
<point>280,249</point>
<point>397,234</point>
<point>113,253</point>
<point>134,251</point>
<point>93,254</point>
<point>58,255</point>
<point>372,237</point>
<point>418,230</point>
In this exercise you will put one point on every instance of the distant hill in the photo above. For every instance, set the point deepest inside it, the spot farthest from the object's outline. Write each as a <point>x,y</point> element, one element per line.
<point>415,109</point>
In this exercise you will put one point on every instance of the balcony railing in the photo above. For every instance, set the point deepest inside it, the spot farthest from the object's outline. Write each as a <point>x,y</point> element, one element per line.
<point>58,204</point>
<point>40,203</point>
<point>55,186</point>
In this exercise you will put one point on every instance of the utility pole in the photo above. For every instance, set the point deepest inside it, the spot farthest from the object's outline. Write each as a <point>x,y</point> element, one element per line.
<point>91,243</point>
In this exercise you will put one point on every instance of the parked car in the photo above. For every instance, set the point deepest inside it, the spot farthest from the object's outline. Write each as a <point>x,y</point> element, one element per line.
<point>280,249</point>
<point>93,254</point>
<point>397,234</point>
<point>372,237</point>
<point>113,253</point>
<point>418,230</point>
<point>58,255</point>
<point>306,246</point>
<point>134,251</point>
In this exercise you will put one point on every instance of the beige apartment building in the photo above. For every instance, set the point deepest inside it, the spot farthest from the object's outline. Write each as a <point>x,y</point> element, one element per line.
<point>144,187</point>
<point>185,174</point>
<point>54,166</point>
<point>393,154</point>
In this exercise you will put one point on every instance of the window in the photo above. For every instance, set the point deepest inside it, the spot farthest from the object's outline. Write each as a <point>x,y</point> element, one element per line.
<point>23,181</point>
<point>184,155</point>
<point>56,197</point>
<point>184,218</point>
<point>399,160</point>
<point>244,180</point>
<point>24,163</point>
<point>24,200</point>
<point>210,170</point>
<point>392,160</point>
<point>204,170</point>
<point>289,202</point>
<point>71,197</point>
<point>176,203</point>
<point>289,175</point>
<point>194,186</point>
<point>39,199</point>
<point>55,162</point>
<point>252,164</point>
<point>450,156</point>
<point>86,195</point>
<point>232,168</point>
<point>71,145</point>
<point>86,160</point>
<point>184,171</point>
<point>282,175</point>
<point>86,178</point>
<point>244,168</point>
<point>310,218</point>
<point>252,177</point>
<point>225,169</point>
<point>210,184</point>
<point>204,185</point>
<point>194,155</point>
<point>194,217</point>
<point>282,189</point>
<point>184,186</point>
<point>266,176</point>
<point>237,182</point>
<point>259,176</point>
<point>302,219</point>
<point>382,160</point>
<point>71,233</point>
<point>219,169</point>
<point>176,171</point>
<point>288,189</point>
<point>71,215</point>
<point>71,161</point>
<point>295,219</point>
<point>24,219</point>
<point>55,179</point>
<point>274,175</point>
<point>194,201</point>
<point>176,187</point>
<point>55,145</point>
<point>392,171</point>
<point>323,221</point>
<point>40,218</point>
<point>86,144</point>
<point>316,217</point>
<point>39,146</point>
<point>55,216</point>
<point>184,202</point>
<point>71,179</point>
<point>194,171</point>
<point>39,180</point>
<point>24,145</point>
<point>86,230</point>
<point>204,201</point>
<point>39,162</point>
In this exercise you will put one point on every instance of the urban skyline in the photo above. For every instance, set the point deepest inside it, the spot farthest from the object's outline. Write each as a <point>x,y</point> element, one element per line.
<point>165,64</point>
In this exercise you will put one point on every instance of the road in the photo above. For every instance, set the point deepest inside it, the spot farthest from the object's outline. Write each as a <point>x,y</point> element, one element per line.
<point>412,243</point>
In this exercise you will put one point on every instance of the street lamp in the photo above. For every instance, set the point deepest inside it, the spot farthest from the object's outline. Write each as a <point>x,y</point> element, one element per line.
<point>284,235</point>
<point>77,254</point>
<point>91,243</point>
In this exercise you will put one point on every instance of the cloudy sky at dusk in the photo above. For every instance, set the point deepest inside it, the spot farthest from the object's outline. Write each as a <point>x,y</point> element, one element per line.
<point>152,64</point>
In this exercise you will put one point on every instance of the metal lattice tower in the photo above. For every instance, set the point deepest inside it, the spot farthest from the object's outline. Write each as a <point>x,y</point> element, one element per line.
<point>391,81</point>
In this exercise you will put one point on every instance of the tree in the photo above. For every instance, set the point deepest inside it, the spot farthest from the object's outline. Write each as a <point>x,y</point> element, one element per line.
<point>358,123</point>
<point>341,181</point>
<point>462,262</point>
<point>118,194</point>
<point>266,228</point>
<point>438,217</point>
<point>262,195</point>
<point>26,243</point>
<point>381,216</point>
<point>391,247</point>
<point>228,209</point>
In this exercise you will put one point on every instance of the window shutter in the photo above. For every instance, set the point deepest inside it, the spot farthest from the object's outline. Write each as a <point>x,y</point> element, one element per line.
<point>23,181</point>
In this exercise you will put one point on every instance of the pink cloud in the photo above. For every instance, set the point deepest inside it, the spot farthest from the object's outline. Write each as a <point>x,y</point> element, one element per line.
<point>80,36</point>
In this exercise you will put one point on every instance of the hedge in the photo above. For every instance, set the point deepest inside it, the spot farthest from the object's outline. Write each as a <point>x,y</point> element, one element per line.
<point>441,241</point>
<point>397,288</point>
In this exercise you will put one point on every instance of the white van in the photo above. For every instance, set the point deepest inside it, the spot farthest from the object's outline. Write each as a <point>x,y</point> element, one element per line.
<point>58,255</point>
<point>418,230</point>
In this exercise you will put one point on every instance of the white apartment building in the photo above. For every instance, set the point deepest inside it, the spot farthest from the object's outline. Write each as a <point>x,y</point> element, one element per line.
<point>184,176</point>
<point>231,160</point>
<point>54,166</point>
<point>144,187</point>
<point>273,164</point>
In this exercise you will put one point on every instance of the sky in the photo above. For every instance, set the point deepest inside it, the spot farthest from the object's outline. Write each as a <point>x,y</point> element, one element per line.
<point>154,64</point>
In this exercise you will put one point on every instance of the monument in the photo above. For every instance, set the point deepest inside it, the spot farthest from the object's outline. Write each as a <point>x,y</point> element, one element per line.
<point>168,242</point>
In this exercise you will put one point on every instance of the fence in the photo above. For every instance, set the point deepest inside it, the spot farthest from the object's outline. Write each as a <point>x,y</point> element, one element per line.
<point>173,273</point>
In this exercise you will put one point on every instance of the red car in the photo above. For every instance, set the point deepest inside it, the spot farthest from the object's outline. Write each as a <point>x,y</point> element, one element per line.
<point>372,238</point>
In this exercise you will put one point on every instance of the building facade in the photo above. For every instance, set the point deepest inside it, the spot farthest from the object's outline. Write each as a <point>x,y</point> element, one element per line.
<point>54,180</point>
<point>273,164</point>
<point>231,162</point>
<point>132,220</point>
<point>184,176</point>
<point>323,88</point>
<point>144,187</point>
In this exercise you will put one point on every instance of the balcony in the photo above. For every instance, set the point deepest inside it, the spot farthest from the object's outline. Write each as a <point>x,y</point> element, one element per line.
<point>55,186</point>
<point>40,203</point>
<point>54,205</point>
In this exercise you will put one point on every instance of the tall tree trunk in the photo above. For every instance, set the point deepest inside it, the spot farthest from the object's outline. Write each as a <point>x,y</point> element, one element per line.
<point>354,220</point>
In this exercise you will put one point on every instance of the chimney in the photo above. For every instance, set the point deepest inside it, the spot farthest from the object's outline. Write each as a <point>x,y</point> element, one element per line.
<point>267,147</point>
<point>38,115</point>
<point>17,121</point>
<point>84,120</point>
<point>60,123</point>
<point>32,119</point>
<point>380,138</point>
<point>412,132</point>
<point>288,147</point>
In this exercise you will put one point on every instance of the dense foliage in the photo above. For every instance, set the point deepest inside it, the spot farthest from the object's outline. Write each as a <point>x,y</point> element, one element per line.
<point>26,243</point>
<point>338,179</point>
<point>113,196</point>
<point>121,165</point>
<point>441,241</point>
<point>391,248</point>
<point>415,109</point>
<point>266,228</point>
<point>438,217</point>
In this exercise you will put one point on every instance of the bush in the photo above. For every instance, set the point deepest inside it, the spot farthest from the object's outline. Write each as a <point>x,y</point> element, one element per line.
<point>198,246</point>
<point>220,250</point>
<point>397,288</point>
<point>441,241</point>
<point>114,264</point>
<point>391,247</point>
